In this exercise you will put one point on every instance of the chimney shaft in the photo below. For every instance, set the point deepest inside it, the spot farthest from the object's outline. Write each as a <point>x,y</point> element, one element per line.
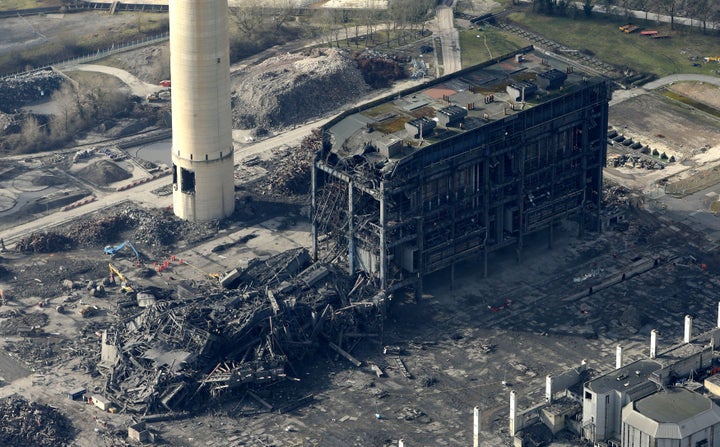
<point>618,357</point>
<point>512,412</point>
<point>476,427</point>
<point>688,329</point>
<point>653,344</point>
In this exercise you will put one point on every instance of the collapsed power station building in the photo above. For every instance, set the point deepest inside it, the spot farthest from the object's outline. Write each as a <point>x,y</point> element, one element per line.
<point>460,167</point>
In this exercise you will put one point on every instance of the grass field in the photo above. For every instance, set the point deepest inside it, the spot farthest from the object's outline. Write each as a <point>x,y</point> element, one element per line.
<point>602,36</point>
<point>11,5</point>
<point>480,46</point>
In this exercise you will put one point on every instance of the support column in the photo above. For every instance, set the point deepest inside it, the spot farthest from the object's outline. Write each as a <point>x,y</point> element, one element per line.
<point>521,201</point>
<point>551,235</point>
<point>486,219</point>
<point>618,357</point>
<point>313,210</point>
<point>383,252</point>
<point>351,230</point>
<point>452,276</point>
<point>688,329</point>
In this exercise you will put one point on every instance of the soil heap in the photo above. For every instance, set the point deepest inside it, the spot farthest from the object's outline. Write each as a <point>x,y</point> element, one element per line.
<point>103,172</point>
<point>293,88</point>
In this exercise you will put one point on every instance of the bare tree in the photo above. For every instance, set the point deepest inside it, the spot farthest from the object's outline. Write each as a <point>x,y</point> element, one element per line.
<point>669,7</point>
<point>69,119</point>
<point>247,16</point>
<point>703,10</point>
<point>643,5</point>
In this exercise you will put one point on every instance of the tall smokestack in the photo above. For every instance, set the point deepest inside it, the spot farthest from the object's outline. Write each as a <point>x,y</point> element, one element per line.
<point>548,389</point>
<point>618,357</point>
<point>653,343</point>
<point>202,149</point>
<point>476,427</point>
<point>513,409</point>
<point>688,329</point>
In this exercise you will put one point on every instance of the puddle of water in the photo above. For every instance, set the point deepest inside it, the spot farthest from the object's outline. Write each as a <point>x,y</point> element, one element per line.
<point>158,152</point>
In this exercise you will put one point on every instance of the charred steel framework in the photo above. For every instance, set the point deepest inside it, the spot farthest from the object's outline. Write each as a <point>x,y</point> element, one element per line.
<point>466,196</point>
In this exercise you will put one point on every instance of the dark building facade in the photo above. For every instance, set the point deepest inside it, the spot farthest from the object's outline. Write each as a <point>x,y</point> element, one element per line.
<point>475,166</point>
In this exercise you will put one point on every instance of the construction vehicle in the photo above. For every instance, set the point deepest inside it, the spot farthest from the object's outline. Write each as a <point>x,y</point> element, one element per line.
<point>214,276</point>
<point>125,284</point>
<point>711,59</point>
<point>110,250</point>
<point>629,28</point>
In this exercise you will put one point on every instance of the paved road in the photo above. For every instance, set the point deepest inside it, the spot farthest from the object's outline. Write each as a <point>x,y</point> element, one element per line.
<point>622,95</point>
<point>137,86</point>
<point>142,194</point>
<point>449,39</point>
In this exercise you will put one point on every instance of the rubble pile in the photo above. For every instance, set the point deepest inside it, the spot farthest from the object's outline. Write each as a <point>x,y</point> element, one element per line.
<point>290,174</point>
<point>44,242</point>
<point>103,172</point>
<point>636,161</point>
<point>17,91</point>
<point>145,228</point>
<point>30,424</point>
<point>179,353</point>
<point>292,88</point>
<point>14,322</point>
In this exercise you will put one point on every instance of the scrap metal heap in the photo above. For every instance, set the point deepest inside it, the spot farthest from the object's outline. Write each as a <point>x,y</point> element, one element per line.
<point>177,354</point>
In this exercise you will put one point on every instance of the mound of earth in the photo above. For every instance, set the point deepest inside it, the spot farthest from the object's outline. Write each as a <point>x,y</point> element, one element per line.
<point>103,172</point>
<point>150,64</point>
<point>292,88</point>
<point>47,180</point>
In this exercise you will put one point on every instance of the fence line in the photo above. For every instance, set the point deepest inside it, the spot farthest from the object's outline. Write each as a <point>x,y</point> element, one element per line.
<point>99,54</point>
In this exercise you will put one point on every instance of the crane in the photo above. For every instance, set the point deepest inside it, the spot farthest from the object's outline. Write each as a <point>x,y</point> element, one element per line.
<point>125,285</point>
<point>110,250</point>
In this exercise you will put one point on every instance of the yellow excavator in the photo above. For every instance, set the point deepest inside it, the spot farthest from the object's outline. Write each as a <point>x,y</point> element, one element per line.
<point>125,284</point>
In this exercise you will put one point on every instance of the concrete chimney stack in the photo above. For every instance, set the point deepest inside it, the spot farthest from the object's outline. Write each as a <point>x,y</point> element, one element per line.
<point>618,357</point>
<point>653,343</point>
<point>688,329</point>
<point>548,389</point>
<point>202,147</point>
<point>513,409</point>
<point>476,427</point>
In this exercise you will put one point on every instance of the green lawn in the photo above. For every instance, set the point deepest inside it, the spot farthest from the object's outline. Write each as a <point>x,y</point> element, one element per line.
<point>480,46</point>
<point>603,38</point>
<point>11,5</point>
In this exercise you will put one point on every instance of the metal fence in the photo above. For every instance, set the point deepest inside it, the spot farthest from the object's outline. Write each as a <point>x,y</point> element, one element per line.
<point>99,54</point>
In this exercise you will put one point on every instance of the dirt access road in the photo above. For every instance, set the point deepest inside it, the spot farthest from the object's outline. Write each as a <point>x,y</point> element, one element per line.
<point>444,28</point>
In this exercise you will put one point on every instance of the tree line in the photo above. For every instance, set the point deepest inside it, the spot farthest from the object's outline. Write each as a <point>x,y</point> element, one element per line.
<point>703,12</point>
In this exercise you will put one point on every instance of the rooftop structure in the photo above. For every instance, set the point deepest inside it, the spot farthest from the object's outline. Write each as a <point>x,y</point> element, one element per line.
<point>462,166</point>
<point>673,418</point>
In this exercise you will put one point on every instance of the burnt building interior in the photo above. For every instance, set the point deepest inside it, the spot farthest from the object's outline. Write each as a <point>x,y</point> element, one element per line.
<point>463,166</point>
